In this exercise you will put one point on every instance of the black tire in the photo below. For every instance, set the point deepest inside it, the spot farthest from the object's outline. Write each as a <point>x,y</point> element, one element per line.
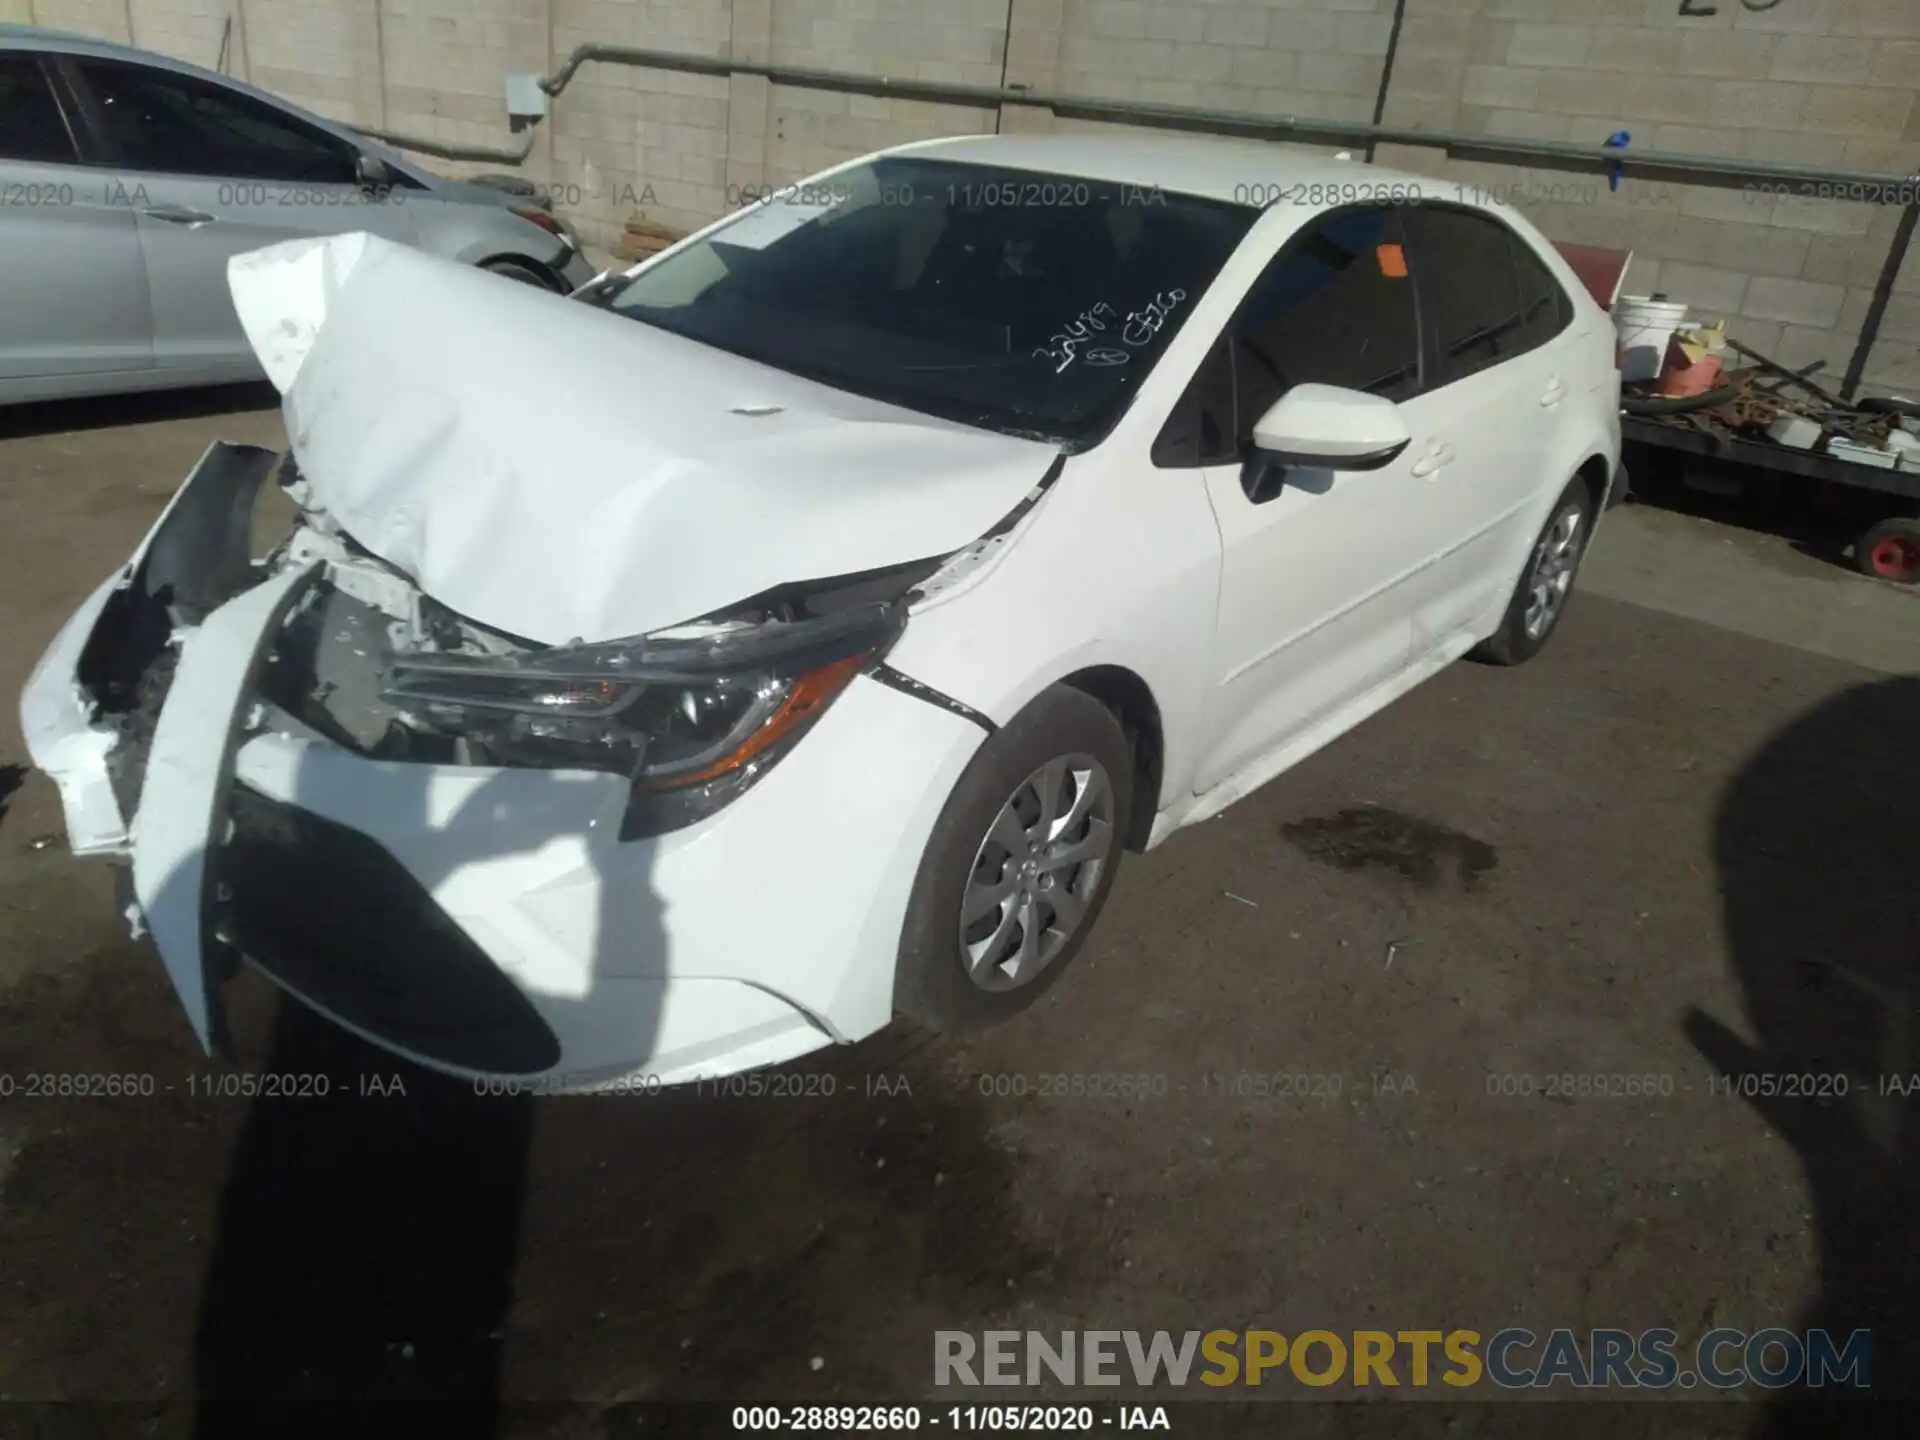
<point>931,983</point>
<point>1675,404</point>
<point>515,270</point>
<point>1512,643</point>
<point>1890,550</point>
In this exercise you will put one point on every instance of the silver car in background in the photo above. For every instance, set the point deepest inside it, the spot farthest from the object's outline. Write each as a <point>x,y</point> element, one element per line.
<point>127,181</point>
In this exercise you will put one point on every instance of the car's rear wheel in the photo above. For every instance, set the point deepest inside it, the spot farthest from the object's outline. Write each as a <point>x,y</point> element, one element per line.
<point>1018,865</point>
<point>1540,599</point>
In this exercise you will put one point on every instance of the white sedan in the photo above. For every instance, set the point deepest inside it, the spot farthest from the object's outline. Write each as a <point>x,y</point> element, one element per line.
<point>795,631</point>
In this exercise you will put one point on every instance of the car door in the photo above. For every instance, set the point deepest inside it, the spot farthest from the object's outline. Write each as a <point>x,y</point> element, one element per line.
<point>1491,393</point>
<point>73,286</point>
<point>213,172</point>
<point>1310,616</point>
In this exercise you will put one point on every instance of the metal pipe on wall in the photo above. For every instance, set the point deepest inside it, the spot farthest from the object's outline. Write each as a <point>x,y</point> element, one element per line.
<point>1386,69</point>
<point>1713,170</point>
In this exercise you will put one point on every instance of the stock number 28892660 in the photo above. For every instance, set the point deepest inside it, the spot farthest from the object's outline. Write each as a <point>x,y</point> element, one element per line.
<point>1074,1085</point>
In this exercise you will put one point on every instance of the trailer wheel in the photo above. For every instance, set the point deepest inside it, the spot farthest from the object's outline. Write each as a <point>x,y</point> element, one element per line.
<point>1890,550</point>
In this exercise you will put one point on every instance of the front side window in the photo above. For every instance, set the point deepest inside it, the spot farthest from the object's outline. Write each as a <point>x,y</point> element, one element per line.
<point>1335,308</point>
<point>1464,263</point>
<point>1028,303</point>
<point>164,123</point>
<point>33,128</point>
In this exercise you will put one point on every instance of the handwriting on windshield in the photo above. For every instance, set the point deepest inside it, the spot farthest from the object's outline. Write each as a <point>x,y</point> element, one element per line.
<point>1065,346</point>
<point>1135,328</point>
<point>1143,324</point>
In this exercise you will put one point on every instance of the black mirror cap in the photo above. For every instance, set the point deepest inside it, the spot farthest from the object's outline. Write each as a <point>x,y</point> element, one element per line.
<point>1371,460</point>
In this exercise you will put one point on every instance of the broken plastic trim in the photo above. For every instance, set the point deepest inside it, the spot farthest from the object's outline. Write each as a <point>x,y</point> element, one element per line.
<point>197,561</point>
<point>907,685</point>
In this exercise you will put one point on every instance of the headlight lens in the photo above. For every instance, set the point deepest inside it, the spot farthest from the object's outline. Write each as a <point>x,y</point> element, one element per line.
<point>692,723</point>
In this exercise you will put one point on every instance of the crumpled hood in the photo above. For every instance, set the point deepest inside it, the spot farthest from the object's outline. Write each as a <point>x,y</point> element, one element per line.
<point>558,472</point>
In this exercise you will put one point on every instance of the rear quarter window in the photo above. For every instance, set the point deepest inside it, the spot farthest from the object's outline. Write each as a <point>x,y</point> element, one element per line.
<point>1545,307</point>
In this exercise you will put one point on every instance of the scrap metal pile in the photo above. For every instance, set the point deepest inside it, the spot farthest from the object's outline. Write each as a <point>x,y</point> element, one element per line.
<point>1765,402</point>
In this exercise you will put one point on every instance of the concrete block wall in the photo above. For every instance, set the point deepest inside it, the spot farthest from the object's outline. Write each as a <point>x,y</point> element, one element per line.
<point>1813,82</point>
<point>1816,82</point>
<point>1317,60</point>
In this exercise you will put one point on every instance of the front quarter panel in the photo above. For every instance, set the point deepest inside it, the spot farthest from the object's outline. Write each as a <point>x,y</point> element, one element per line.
<point>1117,565</point>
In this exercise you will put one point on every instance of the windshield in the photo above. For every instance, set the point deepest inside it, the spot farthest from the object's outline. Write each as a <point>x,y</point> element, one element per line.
<point>1027,303</point>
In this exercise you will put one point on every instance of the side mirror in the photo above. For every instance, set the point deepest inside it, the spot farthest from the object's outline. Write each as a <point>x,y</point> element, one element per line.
<point>372,172</point>
<point>1323,427</point>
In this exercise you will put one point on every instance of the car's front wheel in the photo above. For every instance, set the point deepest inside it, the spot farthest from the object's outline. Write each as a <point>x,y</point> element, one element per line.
<point>1018,865</point>
<point>1540,599</point>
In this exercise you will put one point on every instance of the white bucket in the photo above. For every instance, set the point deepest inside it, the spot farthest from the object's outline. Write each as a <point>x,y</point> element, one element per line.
<point>1646,328</point>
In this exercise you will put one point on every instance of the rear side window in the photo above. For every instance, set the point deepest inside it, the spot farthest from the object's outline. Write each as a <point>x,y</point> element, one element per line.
<point>1465,266</point>
<point>1545,309</point>
<point>31,125</point>
<point>1334,308</point>
<point>164,123</point>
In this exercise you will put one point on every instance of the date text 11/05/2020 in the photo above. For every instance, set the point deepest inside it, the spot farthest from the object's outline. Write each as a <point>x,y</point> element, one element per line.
<point>863,1419</point>
<point>1277,1085</point>
<point>1816,1085</point>
<point>201,1085</point>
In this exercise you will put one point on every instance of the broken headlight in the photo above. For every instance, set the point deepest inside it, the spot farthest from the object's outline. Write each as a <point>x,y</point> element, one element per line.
<point>691,722</point>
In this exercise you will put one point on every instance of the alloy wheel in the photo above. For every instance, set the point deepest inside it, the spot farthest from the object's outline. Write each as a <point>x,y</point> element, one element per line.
<point>1036,872</point>
<point>1554,562</point>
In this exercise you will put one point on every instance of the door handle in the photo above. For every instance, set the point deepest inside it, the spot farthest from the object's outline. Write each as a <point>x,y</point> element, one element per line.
<point>1556,391</point>
<point>1433,462</point>
<point>180,215</point>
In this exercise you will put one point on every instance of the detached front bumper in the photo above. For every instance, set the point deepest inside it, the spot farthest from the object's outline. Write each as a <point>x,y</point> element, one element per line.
<point>483,921</point>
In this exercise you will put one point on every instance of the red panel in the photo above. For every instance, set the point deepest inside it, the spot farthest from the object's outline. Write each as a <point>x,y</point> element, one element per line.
<point>1601,270</point>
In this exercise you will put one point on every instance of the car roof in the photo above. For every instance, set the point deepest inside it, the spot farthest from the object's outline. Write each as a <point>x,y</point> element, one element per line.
<point>1245,172</point>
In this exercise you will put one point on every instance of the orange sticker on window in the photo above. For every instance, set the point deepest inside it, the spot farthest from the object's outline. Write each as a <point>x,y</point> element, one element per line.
<point>1393,261</point>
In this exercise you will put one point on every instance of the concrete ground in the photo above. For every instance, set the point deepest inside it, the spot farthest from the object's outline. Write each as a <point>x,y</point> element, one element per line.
<point>1680,844</point>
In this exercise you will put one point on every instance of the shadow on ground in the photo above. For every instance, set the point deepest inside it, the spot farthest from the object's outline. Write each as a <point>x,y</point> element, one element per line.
<point>11,779</point>
<point>1819,854</point>
<point>1819,521</point>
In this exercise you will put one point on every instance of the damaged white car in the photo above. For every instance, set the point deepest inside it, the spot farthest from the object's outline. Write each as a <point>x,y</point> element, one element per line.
<point>795,630</point>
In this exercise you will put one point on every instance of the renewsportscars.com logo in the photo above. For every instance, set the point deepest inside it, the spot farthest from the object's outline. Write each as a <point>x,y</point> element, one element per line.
<point>1511,1359</point>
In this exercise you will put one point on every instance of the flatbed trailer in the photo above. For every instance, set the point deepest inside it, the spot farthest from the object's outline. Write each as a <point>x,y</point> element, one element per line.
<point>1889,544</point>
